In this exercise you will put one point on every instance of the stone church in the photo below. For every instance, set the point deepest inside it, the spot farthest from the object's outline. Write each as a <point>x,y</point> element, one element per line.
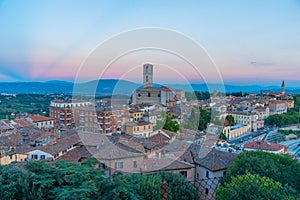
<point>162,95</point>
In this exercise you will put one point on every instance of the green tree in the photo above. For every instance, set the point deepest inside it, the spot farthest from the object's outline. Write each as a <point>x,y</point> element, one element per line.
<point>248,187</point>
<point>230,120</point>
<point>280,168</point>
<point>170,123</point>
<point>178,187</point>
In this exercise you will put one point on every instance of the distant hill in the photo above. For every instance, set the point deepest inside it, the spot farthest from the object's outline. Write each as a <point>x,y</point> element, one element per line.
<point>114,86</point>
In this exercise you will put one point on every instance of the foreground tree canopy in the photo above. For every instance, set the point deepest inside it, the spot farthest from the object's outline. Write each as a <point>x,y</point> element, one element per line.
<point>254,187</point>
<point>63,180</point>
<point>269,170</point>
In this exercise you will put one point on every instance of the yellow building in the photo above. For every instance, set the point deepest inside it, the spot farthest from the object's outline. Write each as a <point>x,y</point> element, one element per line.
<point>143,129</point>
<point>135,115</point>
<point>7,158</point>
<point>236,131</point>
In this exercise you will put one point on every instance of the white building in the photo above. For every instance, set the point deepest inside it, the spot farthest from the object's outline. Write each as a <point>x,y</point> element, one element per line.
<point>41,121</point>
<point>210,169</point>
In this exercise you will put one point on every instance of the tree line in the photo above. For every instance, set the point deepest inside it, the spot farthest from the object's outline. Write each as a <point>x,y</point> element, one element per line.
<point>65,180</point>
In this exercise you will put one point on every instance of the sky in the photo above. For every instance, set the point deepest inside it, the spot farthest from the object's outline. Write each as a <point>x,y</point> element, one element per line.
<point>250,41</point>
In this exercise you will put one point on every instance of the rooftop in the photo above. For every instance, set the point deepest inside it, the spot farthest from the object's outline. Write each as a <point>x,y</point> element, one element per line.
<point>263,145</point>
<point>40,118</point>
<point>216,160</point>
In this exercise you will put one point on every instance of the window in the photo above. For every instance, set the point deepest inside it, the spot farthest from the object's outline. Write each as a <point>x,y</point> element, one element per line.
<point>184,173</point>
<point>119,165</point>
<point>197,175</point>
<point>206,191</point>
<point>134,164</point>
<point>207,174</point>
<point>158,95</point>
<point>149,94</point>
<point>34,156</point>
<point>139,94</point>
<point>10,157</point>
<point>43,157</point>
<point>224,173</point>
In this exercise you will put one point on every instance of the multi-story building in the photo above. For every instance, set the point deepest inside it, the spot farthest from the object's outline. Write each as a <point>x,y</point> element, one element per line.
<point>62,111</point>
<point>278,107</point>
<point>246,118</point>
<point>236,131</point>
<point>98,120</point>
<point>135,115</point>
<point>209,171</point>
<point>41,121</point>
<point>143,129</point>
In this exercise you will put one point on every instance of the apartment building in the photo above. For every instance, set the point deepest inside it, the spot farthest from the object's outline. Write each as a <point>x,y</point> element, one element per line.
<point>98,120</point>
<point>62,111</point>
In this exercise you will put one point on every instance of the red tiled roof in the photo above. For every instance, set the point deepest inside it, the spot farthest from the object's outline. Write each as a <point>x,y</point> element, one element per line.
<point>76,154</point>
<point>39,118</point>
<point>263,145</point>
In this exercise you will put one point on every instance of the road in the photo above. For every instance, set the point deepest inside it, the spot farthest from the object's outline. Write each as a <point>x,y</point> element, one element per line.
<point>249,137</point>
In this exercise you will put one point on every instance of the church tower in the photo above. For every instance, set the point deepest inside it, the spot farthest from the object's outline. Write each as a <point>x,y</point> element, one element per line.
<point>282,88</point>
<point>147,75</point>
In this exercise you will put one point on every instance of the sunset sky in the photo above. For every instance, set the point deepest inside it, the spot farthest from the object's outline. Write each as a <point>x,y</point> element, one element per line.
<point>251,42</point>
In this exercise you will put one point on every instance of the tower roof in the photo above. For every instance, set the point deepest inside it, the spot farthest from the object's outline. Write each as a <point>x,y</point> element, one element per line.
<point>283,84</point>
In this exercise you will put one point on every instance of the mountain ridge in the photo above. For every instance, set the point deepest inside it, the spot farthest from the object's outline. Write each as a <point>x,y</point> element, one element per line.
<point>116,86</point>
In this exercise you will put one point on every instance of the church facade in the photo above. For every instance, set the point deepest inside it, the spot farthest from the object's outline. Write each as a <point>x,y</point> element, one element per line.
<point>163,95</point>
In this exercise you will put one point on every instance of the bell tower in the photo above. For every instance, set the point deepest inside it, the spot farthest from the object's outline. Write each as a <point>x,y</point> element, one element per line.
<point>147,75</point>
<point>283,88</point>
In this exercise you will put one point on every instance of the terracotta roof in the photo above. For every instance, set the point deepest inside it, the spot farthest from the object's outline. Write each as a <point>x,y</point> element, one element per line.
<point>104,149</point>
<point>60,145</point>
<point>76,154</point>
<point>216,160</point>
<point>39,118</point>
<point>158,164</point>
<point>263,145</point>
<point>20,123</point>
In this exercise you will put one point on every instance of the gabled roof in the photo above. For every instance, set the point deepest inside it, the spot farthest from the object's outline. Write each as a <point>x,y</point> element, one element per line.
<point>263,145</point>
<point>164,164</point>
<point>76,154</point>
<point>39,118</point>
<point>216,160</point>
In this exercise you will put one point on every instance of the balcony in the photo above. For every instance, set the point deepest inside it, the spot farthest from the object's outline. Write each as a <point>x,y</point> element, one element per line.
<point>100,123</point>
<point>107,117</point>
<point>62,113</point>
<point>69,118</point>
<point>100,117</point>
<point>62,119</point>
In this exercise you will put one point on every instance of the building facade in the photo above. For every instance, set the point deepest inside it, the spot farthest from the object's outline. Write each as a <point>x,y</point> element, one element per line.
<point>62,111</point>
